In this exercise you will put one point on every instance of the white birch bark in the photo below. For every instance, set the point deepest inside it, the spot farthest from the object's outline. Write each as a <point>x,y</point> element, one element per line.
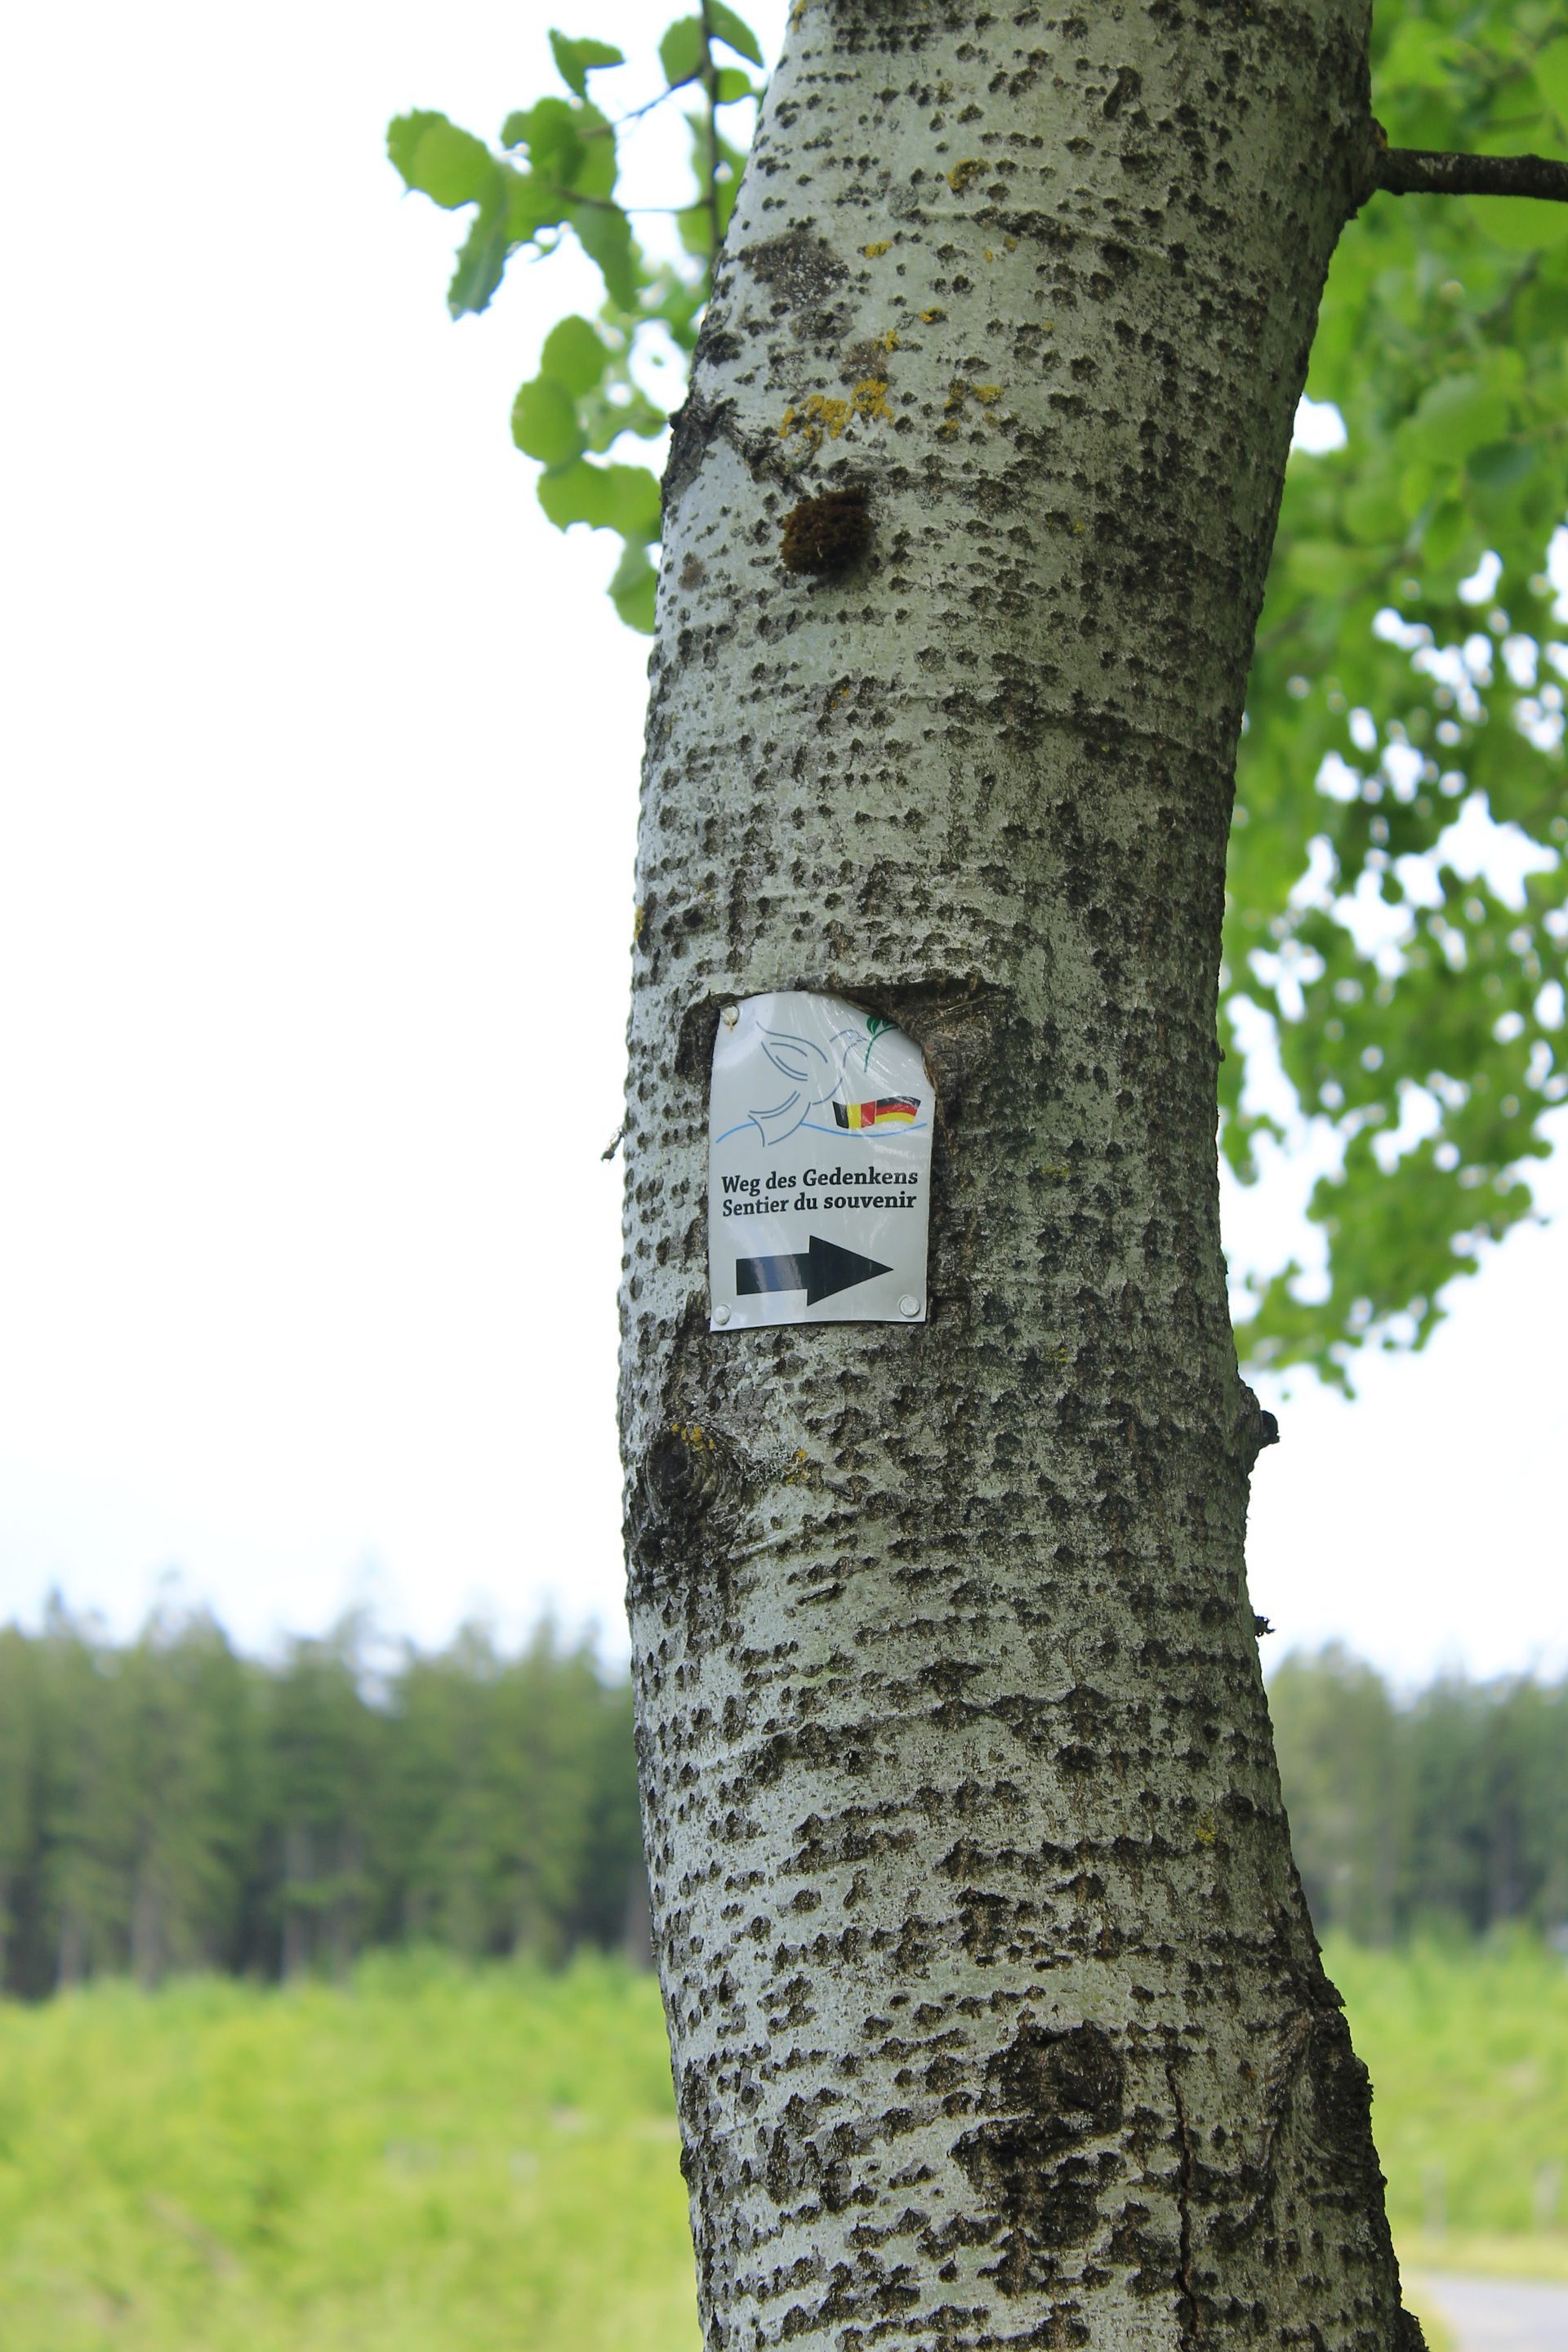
<point>996,2014</point>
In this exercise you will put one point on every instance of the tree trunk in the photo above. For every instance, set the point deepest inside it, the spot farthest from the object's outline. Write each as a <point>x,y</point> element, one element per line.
<point>147,1936</point>
<point>995,2013</point>
<point>297,1875</point>
<point>70,1968</point>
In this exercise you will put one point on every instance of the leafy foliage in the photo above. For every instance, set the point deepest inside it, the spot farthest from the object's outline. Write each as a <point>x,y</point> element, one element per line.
<point>1417,1006</point>
<point>559,172</point>
<point>1407,672</point>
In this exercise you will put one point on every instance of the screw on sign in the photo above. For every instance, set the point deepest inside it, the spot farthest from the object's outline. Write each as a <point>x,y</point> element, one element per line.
<point>819,1144</point>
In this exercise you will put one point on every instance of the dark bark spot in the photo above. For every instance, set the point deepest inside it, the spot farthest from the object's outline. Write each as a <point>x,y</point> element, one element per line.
<point>1070,2083</point>
<point>1054,2091</point>
<point>1127,85</point>
<point>692,427</point>
<point>682,1507</point>
<point>694,1045</point>
<point>827,534</point>
<point>804,273</point>
<point>1342,2101</point>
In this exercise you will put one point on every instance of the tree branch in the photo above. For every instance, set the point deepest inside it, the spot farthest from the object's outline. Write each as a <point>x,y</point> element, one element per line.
<point>1415,170</point>
<point>711,86</point>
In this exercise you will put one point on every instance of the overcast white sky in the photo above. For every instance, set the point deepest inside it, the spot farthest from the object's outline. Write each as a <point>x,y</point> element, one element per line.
<point>316,811</point>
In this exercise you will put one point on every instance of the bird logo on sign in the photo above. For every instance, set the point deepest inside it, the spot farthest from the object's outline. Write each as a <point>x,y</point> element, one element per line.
<point>814,1074</point>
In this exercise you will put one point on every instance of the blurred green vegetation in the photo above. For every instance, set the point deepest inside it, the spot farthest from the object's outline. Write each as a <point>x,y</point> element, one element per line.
<point>427,2157</point>
<point>1468,2048</point>
<point>432,2153</point>
<point>168,1804</point>
<point>1444,1815</point>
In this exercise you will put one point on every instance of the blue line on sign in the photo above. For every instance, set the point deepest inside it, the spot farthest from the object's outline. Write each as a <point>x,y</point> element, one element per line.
<point>844,1134</point>
<point>840,1134</point>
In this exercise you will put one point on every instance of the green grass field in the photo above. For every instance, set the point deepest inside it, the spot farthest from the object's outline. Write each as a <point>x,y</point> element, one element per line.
<point>435,2160</point>
<point>1468,2054</point>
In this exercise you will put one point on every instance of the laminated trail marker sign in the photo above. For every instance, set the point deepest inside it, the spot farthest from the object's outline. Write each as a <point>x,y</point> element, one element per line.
<point>819,1136</point>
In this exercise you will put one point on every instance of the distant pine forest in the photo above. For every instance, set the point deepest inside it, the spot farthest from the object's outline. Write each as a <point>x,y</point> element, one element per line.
<point>169,1804</point>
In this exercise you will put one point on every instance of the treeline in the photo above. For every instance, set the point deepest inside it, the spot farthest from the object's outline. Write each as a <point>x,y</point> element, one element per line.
<point>170,1804</point>
<point>1447,1813</point>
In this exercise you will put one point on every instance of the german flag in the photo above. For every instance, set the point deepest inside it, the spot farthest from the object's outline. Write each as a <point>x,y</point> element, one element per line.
<point>888,1110</point>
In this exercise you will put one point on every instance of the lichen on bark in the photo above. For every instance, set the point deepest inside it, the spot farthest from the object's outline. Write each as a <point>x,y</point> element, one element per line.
<point>996,2014</point>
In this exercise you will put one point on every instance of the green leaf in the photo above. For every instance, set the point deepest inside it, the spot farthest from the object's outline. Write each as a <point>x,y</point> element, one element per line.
<point>605,419</point>
<point>683,51</point>
<point>610,498</point>
<point>1552,77</point>
<point>576,59</point>
<point>605,234</point>
<point>531,204</point>
<point>1499,465</point>
<point>572,147</point>
<point>545,421</point>
<point>449,165</point>
<point>550,132</point>
<point>575,354</point>
<point>1419,56</point>
<point>1455,415</point>
<point>481,259</point>
<point>731,85</point>
<point>634,590</point>
<point>734,31</point>
<point>1522,224</point>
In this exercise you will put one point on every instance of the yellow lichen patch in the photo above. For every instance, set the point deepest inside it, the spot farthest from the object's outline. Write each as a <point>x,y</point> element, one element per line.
<point>640,917</point>
<point>824,417</point>
<point>891,340</point>
<point>960,177</point>
<point>929,318</point>
<point>1206,1832</point>
<point>815,419</point>
<point>690,1434</point>
<point>875,252</point>
<point>958,392</point>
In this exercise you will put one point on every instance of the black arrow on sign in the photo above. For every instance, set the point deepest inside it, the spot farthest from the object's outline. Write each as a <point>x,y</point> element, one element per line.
<point>823,1270</point>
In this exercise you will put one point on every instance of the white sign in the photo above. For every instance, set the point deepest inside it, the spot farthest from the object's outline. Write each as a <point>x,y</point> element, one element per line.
<point>819,1135</point>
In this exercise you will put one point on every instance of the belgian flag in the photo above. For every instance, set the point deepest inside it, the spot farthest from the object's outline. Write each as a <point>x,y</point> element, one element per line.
<point>888,1110</point>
